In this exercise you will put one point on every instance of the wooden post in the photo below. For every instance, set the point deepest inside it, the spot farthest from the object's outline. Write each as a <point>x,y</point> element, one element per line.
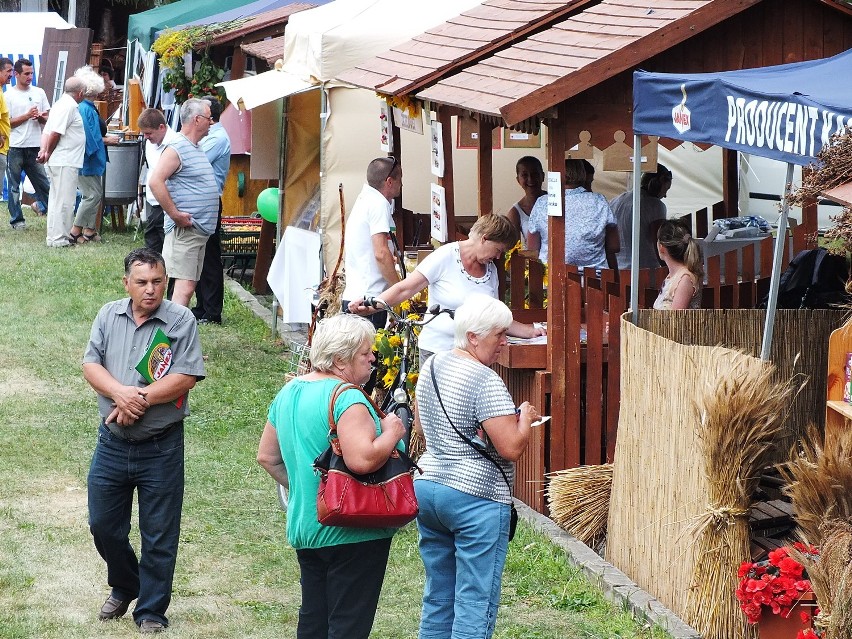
<point>445,118</point>
<point>557,348</point>
<point>398,215</point>
<point>485,166</point>
<point>730,183</point>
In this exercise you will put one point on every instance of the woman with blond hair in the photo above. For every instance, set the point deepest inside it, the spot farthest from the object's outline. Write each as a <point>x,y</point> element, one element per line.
<point>682,255</point>
<point>341,569</point>
<point>452,273</point>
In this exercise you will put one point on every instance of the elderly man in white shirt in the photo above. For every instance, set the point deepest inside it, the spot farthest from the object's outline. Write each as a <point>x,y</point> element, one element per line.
<point>63,145</point>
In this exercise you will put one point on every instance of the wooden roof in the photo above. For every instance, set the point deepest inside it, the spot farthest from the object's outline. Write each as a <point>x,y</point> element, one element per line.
<point>472,35</point>
<point>262,22</point>
<point>269,50</point>
<point>575,54</point>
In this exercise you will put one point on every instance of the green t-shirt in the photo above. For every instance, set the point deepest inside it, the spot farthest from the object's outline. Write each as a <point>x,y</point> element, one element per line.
<point>299,414</point>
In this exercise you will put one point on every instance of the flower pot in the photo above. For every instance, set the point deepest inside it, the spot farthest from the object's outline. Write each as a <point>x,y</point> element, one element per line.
<point>776,627</point>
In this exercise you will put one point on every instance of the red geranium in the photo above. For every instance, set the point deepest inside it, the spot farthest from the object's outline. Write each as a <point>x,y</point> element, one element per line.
<point>777,583</point>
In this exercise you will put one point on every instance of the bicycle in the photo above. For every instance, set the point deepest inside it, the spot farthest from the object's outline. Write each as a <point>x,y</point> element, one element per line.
<point>399,398</point>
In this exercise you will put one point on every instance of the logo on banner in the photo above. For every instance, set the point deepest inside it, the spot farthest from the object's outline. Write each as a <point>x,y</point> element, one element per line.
<point>681,116</point>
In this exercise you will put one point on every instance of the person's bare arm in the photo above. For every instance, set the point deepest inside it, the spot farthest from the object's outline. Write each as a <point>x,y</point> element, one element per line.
<point>362,451</point>
<point>48,144</point>
<point>385,258</point>
<point>683,293</point>
<point>510,433</point>
<point>403,290</point>
<point>269,456</point>
<point>168,163</point>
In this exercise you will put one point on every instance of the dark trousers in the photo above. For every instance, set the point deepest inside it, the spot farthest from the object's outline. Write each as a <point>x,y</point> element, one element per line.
<point>154,232</point>
<point>154,468</point>
<point>210,290</point>
<point>24,160</point>
<point>340,589</point>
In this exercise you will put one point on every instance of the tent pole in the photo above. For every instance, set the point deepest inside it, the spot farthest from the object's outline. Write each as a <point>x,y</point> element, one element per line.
<point>634,250</point>
<point>780,246</point>
<point>279,224</point>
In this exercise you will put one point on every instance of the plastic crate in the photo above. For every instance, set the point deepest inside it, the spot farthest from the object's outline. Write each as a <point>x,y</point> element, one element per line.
<point>240,236</point>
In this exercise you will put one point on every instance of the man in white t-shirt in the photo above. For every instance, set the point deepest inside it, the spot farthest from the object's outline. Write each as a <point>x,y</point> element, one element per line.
<point>368,258</point>
<point>63,146</point>
<point>28,111</point>
<point>158,135</point>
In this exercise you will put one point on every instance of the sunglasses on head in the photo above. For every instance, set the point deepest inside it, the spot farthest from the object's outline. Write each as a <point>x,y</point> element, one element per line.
<point>394,164</point>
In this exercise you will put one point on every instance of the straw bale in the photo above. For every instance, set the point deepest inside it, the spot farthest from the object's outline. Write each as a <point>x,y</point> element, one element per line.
<point>578,500</point>
<point>801,334</point>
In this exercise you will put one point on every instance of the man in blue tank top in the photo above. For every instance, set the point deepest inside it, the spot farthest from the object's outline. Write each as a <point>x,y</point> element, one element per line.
<point>184,184</point>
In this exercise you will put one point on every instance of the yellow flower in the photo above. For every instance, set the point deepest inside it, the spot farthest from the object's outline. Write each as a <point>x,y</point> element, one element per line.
<point>412,377</point>
<point>387,380</point>
<point>405,305</point>
<point>396,360</point>
<point>395,341</point>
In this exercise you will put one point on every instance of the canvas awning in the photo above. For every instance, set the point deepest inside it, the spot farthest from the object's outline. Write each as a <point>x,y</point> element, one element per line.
<point>255,90</point>
<point>785,112</point>
<point>143,26</point>
<point>746,110</point>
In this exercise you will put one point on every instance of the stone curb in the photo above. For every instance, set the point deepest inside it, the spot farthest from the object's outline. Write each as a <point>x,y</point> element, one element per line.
<point>616,586</point>
<point>292,334</point>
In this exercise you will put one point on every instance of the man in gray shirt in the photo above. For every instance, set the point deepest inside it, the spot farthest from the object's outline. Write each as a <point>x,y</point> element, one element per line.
<point>142,359</point>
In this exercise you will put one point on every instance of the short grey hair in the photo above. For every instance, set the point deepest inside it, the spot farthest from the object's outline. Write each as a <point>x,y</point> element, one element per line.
<point>191,108</point>
<point>74,85</point>
<point>93,83</point>
<point>338,338</point>
<point>480,314</point>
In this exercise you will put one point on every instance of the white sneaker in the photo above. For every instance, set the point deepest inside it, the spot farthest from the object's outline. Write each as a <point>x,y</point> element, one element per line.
<point>19,226</point>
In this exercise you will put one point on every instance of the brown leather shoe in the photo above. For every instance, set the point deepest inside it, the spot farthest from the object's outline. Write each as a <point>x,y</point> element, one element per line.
<point>113,608</point>
<point>150,626</point>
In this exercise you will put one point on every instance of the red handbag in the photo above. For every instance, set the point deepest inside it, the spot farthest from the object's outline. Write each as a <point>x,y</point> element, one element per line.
<point>381,499</point>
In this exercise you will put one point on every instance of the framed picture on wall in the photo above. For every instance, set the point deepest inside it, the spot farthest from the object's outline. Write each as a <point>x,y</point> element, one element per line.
<point>517,140</point>
<point>467,134</point>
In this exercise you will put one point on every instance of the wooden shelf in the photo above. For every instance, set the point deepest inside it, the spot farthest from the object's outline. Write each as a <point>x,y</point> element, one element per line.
<point>841,407</point>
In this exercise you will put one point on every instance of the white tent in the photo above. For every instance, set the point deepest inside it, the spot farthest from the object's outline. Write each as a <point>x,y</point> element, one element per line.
<point>23,35</point>
<point>321,43</point>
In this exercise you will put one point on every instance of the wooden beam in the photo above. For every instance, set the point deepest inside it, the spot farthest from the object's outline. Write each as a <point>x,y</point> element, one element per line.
<point>485,167</point>
<point>445,118</point>
<point>730,183</point>
<point>398,215</point>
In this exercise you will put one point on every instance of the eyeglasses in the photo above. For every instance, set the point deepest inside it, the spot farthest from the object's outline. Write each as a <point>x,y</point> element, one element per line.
<point>394,164</point>
<point>206,117</point>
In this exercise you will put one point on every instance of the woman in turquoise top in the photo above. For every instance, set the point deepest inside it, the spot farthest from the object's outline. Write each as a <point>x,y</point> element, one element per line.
<point>342,569</point>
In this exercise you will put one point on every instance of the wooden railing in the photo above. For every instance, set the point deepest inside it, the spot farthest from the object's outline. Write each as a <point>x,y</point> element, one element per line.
<point>596,301</point>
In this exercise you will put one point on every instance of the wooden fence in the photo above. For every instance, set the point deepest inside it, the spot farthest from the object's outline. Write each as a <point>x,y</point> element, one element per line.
<point>588,432</point>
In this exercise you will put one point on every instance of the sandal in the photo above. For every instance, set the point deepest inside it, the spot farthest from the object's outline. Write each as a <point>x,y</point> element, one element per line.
<point>94,237</point>
<point>78,238</point>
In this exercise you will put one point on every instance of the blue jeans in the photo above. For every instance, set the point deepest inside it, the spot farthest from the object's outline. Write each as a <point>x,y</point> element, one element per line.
<point>154,468</point>
<point>463,544</point>
<point>24,159</point>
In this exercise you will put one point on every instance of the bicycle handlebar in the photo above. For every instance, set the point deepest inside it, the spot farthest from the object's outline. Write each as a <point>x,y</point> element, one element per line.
<point>434,311</point>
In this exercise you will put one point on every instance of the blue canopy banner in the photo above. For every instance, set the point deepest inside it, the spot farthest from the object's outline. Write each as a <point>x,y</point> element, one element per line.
<point>785,112</point>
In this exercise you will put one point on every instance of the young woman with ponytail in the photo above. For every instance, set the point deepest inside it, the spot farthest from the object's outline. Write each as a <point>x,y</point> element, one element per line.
<point>682,255</point>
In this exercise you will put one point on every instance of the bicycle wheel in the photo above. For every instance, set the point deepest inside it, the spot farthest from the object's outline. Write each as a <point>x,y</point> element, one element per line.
<point>407,417</point>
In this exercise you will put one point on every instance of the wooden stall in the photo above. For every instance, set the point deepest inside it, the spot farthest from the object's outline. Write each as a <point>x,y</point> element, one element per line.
<point>568,67</point>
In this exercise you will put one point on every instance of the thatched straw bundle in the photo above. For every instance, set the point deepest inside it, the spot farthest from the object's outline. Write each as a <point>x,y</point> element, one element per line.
<point>740,418</point>
<point>820,487</point>
<point>819,482</point>
<point>578,499</point>
<point>831,579</point>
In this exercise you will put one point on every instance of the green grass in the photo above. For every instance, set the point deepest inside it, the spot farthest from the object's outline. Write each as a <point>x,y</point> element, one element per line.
<point>236,575</point>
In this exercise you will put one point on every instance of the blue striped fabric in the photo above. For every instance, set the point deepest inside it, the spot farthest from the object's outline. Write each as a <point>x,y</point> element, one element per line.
<point>193,187</point>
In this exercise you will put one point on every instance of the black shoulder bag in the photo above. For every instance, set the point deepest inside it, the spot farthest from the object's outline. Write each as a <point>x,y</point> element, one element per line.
<point>513,519</point>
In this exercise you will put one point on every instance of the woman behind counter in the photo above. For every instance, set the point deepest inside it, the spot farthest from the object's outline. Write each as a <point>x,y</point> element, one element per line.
<point>682,255</point>
<point>342,569</point>
<point>530,176</point>
<point>463,496</point>
<point>453,272</point>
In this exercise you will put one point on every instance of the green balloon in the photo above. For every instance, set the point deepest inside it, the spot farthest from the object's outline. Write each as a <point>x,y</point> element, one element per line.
<point>267,204</point>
